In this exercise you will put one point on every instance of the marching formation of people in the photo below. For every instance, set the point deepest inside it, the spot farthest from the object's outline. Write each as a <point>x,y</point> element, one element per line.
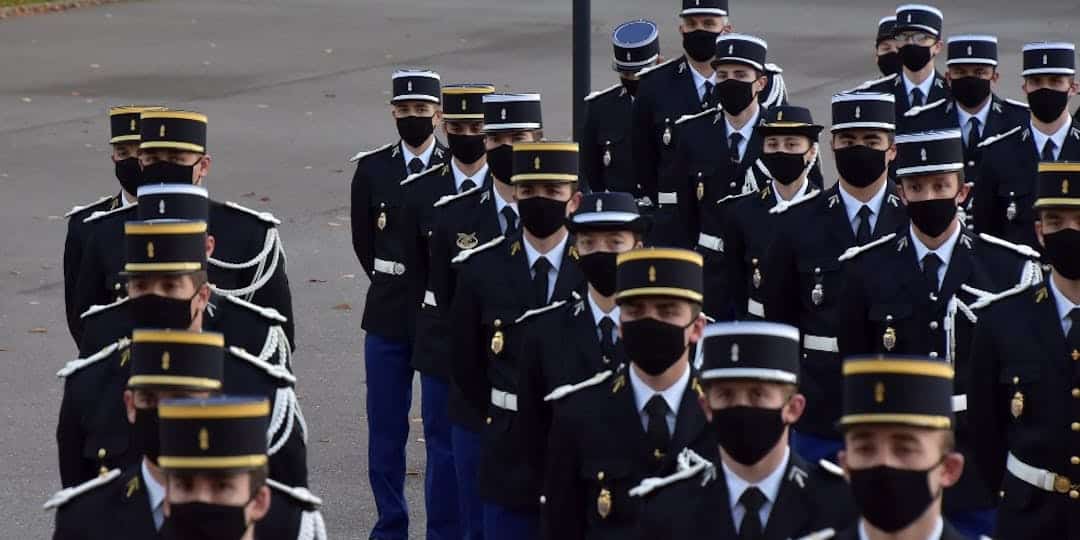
<point>670,329</point>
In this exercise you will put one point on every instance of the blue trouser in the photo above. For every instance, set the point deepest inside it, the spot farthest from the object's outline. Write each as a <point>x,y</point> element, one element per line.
<point>466,445</point>
<point>502,523</point>
<point>440,480</point>
<point>389,398</point>
<point>813,449</point>
<point>973,524</point>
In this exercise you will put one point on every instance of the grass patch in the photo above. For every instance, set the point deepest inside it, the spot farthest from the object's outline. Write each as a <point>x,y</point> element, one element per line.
<point>13,3</point>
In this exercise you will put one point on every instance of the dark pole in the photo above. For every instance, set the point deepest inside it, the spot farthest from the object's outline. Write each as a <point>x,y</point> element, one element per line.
<point>582,15</point>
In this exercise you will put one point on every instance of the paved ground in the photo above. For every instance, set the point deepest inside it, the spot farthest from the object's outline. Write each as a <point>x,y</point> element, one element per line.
<point>292,89</point>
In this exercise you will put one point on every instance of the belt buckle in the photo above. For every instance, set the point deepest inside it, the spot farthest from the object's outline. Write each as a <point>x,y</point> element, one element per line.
<point>1062,483</point>
<point>399,269</point>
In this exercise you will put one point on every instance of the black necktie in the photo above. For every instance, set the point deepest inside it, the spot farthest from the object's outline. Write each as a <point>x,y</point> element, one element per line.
<point>916,98</point>
<point>752,500</point>
<point>707,95</point>
<point>1073,339</point>
<point>607,339</point>
<point>467,185</point>
<point>735,139</point>
<point>862,234</point>
<point>511,220</point>
<point>931,263</point>
<point>973,133</point>
<point>415,165</point>
<point>1048,150</point>
<point>657,431</point>
<point>540,280</point>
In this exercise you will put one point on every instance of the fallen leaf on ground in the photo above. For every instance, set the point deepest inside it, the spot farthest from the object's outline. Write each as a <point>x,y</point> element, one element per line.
<point>264,199</point>
<point>249,194</point>
<point>343,307</point>
<point>333,223</point>
<point>314,280</point>
<point>348,276</point>
<point>39,330</point>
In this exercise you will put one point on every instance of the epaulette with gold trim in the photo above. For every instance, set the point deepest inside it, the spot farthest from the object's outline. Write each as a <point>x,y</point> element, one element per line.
<point>65,495</point>
<point>79,363</point>
<point>105,213</point>
<point>98,308</point>
<point>688,117</point>
<point>782,207</point>
<point>1026,251</point>
<point>645,71</point>
<point>619,383</point>
<point>363,154</point>
<point>447,199</point>
<point>991,140</point>
<point>534,312</point>
<point>853,252</point>
<point>567,389</point>
<point>442,167</point>
<point>263,216</point>
<point>916,111</point>
<point>465,254</point>
<point>599,93</point>
<point>267,312</point>
<point>76,209</point>
<point>868,84</point>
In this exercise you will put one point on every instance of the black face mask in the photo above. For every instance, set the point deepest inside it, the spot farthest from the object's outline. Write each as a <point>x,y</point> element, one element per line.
<point>889,63</point>
<point>542,216</point>
<point>653,345</point>
<point>500,162</point>
<point>144,433</point>
<point>970,91</point>
<point>747,433</point>
<point>129,173</point>
<point>1063,252</point>
<point>891,499</point>
<point>153,311</point>
<point>204,521</point>
<point>414,130</point>
<point>735,96</point>
<point>631,85</point>
<point>466,148</point>
<point>932,216</point>
<point>700,45</point>
<point>599,270</point>
<point>785,168</point>
<point>1047,104</point>
<point>860,165</point>
<point>164,172</point>
<point>915,57</point>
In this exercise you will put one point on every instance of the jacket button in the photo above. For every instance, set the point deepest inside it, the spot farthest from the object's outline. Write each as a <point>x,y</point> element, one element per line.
<point>1073,494</point>
<point>600,476</point>
<point>488,420</point>
<point>1075,426</point>
<point>101,453</point>
<point>1075,460</point>
<point>933,325</point>
<point>933,354</point>
<point>1076,393</point>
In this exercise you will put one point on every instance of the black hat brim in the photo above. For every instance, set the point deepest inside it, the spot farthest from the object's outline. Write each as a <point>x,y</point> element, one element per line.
<point>809,131</point>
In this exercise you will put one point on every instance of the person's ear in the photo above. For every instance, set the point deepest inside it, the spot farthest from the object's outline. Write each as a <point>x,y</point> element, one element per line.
<point>995,77</point>
<point>963,192</point>
<point>760,83</point>
<point>901,191</point>
<point>129,405</point>
<point>1074,87</point>
<point>841,459</point>
<point>260,505</point>
<point>1039,233</point>
<point>436,119</point>
<point>697,328</point>
<point>938,47</point>
<point>210,243</point>
<point>952,467</point>
<point>793,409</point>
<point>703,401</point>
<point>948,77</point>
<point>890,154</point>
<point>202,169</point>
<point>574,203</point>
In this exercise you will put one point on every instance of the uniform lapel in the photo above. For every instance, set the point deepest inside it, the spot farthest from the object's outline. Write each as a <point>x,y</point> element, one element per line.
<point>960,267</point>
<point>518,271</point>
<point>938,89</point>
<point>718,505</point>
<point>1047,325</point>
<point>586,342</point>
<point>488,213</point>
<point>569,277</point>
<point>689,421</point>
<point>891,215</point>
<point>909,274</point>
<point>839,226</point>
<point>135,516</point>
<point>789,514</point>
<point>1071,149</point>
<point>690,94</point>
<point>753,148</point>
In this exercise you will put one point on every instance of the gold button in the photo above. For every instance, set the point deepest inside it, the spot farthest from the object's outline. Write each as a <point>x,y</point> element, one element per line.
<point>1016,380</point>
<point>101,453</point>
<point>600,476</point>
<point>498,323</point>
<point>1073,494</point>
<point>1001,494</point>
<point>489,420</point>
<point>1075,426</point>
<point>1075,460</point>
<point>1076,392</point>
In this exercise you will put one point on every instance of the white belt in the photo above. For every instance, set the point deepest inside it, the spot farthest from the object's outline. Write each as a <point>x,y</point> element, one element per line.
<point>668,198</point>
<point>1040,478</point>
<point>959,403</point>
<point>504,400</point>
<point>429,299</point>
<point>755,308</point>
<point>820,343</point>
<point>709,241</point>
<point>389,267</point>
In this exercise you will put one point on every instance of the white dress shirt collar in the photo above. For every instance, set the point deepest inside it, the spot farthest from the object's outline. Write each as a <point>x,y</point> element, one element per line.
<point>699,82</point>
<point>598,313</point>
<point>769,486</point>
<point>924,86</point>
<point>1064,306</point>
<point>1058,137</point>
<point>852,205</point>
<point>964,117</point>
<point>425,156</point>
<point>802,191</point>
<point>554,257</point>
<point>500,203</point>
<point>460,177</point>
<point>154,491</point>
<point>944,252</point>
<point>939,529</point>
<point>672,395</point>
<point>747,131</point>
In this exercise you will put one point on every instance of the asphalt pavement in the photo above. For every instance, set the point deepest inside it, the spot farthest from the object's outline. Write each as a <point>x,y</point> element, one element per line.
<point>292,89</point>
